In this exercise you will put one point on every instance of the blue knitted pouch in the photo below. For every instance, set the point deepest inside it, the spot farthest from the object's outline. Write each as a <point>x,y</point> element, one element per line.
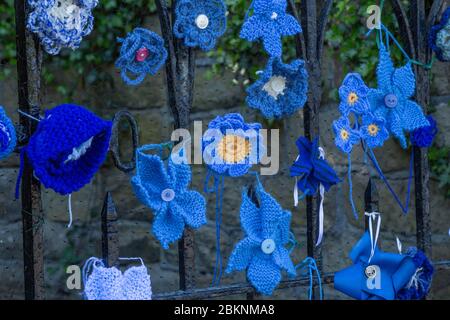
<point>438,37</point>
<point>8,139</point>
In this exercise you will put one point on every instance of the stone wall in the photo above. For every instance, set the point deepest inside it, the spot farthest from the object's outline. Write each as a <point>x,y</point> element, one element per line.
<point>215,96</point>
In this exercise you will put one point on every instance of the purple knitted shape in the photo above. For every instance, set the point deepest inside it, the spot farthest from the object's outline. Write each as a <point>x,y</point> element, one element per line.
<point>438,37</point>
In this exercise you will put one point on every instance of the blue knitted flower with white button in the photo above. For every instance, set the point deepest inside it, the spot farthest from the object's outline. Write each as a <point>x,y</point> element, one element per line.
<point>200,22</point>
<point>61,23</point>
<point>8,139</point>
<point>269,23</point>
<point>262,252</point>
<point>142,52</point>
<point>165,190</point>
<point>391,100</point>
<point>231,146</point>
<point>346,136</point>
<point>439,37</point>
<point>353,95</point>
<point>280,90</point>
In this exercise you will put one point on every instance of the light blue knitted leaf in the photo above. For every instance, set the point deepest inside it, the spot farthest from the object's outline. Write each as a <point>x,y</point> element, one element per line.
<point>264,274</point>
<point>395,127</point>
<point>282,259</point>
<point>384,70</point>
<point>413,116</point>
<point>271,213</point>
<point>242,255</point>
<point>288,25</point>
<point>168,227</point>
<point>284,223</point>
<point>253,29</point>
<point>180,175</point>
<point>192,206</point>
<point>250,217</point>
<point>404,80</point>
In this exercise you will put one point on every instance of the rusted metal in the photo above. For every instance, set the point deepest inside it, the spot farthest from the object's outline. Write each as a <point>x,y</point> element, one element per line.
<point>371,202</point>
<point>110,232</point>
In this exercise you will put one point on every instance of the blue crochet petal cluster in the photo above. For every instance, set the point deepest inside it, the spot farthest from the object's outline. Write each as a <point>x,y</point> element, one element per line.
<point>373,131</point>
<point>438,37</point>
<point>424,137</point>
<point>8,139</point>
<point>142,52</point>
<point>61,23</point>
<point>280,90</point>
<point>165,191</point>
<point>353,95</point>
<point>345,135</point>
<point>262,252</point>
<point>269,23</point>
<point>200,22</point>
<point>68,148</point>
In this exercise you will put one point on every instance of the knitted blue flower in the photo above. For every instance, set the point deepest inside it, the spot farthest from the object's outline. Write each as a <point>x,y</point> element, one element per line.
<point>231,146</point>
<point>200,22</point>
<point>391,101</point>
<point>345,136</point>
<point>423,137</point>
<point>8,139</point>
<point>142,52</point>
<point>353,95</point>
<point>269,23</point>
<point>439,36</point>
<point>165,191</point>
<point>262,252</point>
<point>373,131</point>
<point>280,90</point>
<point>61,23</point>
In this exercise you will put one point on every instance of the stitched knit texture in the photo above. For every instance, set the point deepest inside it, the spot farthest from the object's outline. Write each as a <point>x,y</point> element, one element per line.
<point>424,137</point>
<point>269,23</point>
<point>266,227</point>
<point>373,130</point>
<point>142,52</point>
<point>165,191</point>
<point>61,23</point>
<point>345,135</point>
<point>102,283</point>
<point>63,156</point>
<point>8,139</point>
<point>391,100</point>
<point>200,22</point>
<point>353,95</point>
<point>280,90</point>
<point>439,35</point>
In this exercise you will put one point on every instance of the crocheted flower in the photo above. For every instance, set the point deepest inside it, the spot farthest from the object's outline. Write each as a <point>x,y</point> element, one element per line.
<point>269,23</point>
<point>391,101</point>
<point>373,131</point>
<point>353,95</point>
<point>345,136</point>
<point>68,148</point>
<point>262,252</point>
<point>439,37</point>
<point>231,146</point>
<point>311,169</point>
<point>142,52</point>
<point>423,137</point>
<point>280,90</point>
<point>200,22</point>
<point>8,139</point>
<point>165,191</point>
<point>61,23</point>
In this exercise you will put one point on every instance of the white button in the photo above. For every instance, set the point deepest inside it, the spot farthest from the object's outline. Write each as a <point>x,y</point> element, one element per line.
<point>278,84</point>
<point>391,100</point>
<point>202,21</point>
<point>268,246</point>
<point>371,272</point>
<point>168,195</point>
<point>274,15</point>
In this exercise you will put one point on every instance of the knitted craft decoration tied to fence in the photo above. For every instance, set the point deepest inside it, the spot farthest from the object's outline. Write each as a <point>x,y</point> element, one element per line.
<point>103,283</point>
<point>61,23</point>
<point>200,22</point>
<point>424,137</point>
<point>269,23</point>
<point>165,191</point>
<point>439,37</point>
<point>8,139</point>
<point>262,252</point>
<point>142,52</point>
<point>280,90</point>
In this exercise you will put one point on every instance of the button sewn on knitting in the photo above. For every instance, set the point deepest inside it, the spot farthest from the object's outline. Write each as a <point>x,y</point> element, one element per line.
<point>168,195</point>
<point>371,272</point>
<point>142,54</point>
<point>268,246</point>
<point>274,15</point>
<point>391,100</point>
<point>202,21</point>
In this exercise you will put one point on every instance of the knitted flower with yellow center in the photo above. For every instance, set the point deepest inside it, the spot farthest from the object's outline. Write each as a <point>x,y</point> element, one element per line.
<point>345,136</point>
<point>373,131</point>
<point>353,95</point>
<point>234,149</point>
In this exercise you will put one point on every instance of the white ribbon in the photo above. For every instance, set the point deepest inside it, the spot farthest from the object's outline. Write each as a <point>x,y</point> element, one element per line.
<point>399,245</point>
<point>70,211</point>
<point>373,241</point>
<point>322,198</point>
<point>296,189</point>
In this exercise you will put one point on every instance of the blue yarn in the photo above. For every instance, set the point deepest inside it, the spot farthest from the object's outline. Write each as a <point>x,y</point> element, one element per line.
<point>165,191</point>
<point>61,24</point>
<point>308,267</point>
<point>350,185</point>
<point>140,39</point>
<point>292,97</point>
<point>8,139</point>
<point>437,36</point>
<point>353,95</point>
<point>189,12</point>
<point>424,137</point>
<point>269,23</point>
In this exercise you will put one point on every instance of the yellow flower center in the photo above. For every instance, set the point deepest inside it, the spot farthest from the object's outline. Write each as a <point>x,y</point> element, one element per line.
<point>344,134</point>
<point>352,98</point>
<point>373,130</point>
<point>234,149</point>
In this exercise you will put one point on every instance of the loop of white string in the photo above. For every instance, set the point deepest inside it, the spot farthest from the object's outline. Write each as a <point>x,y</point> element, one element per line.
<point>322,198</point>
<point>70,211</point>
<point>373,240</point>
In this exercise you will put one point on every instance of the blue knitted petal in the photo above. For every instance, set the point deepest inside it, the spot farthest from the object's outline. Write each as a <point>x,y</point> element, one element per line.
<point>395,127</point>
<point>8,139</point>
<point>413,117</point>
<point>282,259</point>
<point>192,207</point>
<point>168,226</point>
<point>263,273</point>
<point>272,44</point>
<point>271,213</point>
<point>242,254</point>
<point>150,196</point>
<point>253,29</point>
<point>403,78</point>
<point>180,175</point>
<point>385,70</point>
<point>152,175</point>
<point>288,25</point>
<point>250,217</point>
<point>283,227</point>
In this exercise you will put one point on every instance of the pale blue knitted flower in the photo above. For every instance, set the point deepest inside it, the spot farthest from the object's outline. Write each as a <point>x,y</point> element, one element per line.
<point>165,191</point>
<point>262,252</point>
<point>373,131</point>
<point>269,23</point>
<point>391,101</point>
<point>200,22</point>
<point>345,136</point>
<point>439,35</point>
<point>353,95</point>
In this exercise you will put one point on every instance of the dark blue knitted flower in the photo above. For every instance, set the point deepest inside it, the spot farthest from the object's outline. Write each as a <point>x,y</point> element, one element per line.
<point>61,23</point>
<point>231,146</point>
<point>8,139</point>
<point>68,148</point>
<point>280,90</point>
<point>345,136</point>
<point>391,101</point>
<point>423,137</point>
<point>353,95</point>
<point>200,22</point>
<point>262,252</point>
<point>439,36</point>
<point>165,190</point>
<point>373,131</point>
<point>269,23</point>
<point>142,52</point>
